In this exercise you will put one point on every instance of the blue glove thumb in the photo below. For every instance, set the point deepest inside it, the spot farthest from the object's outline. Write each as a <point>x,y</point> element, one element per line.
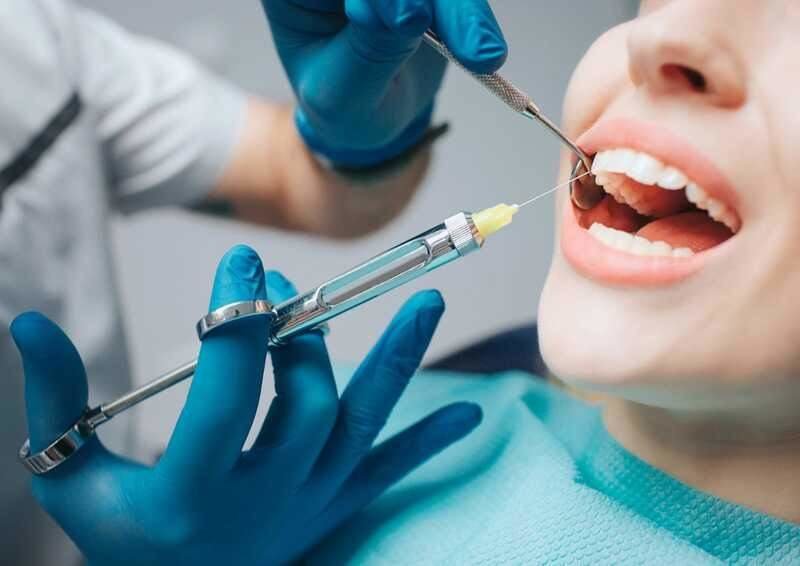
<point>56,392</point>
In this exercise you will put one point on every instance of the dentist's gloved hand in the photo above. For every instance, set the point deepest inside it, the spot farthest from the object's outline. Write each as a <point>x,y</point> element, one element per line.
<point>207,502</point>
<point>365,84</point>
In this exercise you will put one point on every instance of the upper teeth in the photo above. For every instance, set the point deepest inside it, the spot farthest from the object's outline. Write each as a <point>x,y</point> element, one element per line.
<point>648,170</point>
<point>716,209</point>
<point>640,167</point>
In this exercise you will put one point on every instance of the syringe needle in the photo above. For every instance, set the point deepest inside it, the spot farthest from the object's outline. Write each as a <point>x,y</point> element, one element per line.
<point>551,191</point>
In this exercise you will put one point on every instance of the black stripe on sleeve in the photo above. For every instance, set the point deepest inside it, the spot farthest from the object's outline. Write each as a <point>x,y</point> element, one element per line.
<point>30,155</point>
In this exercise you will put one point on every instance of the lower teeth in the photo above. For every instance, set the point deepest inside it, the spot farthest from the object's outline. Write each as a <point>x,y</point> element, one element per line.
<point>636,245</point>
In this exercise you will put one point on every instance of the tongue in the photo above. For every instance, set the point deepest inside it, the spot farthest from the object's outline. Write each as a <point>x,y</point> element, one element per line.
<point>694,230</point>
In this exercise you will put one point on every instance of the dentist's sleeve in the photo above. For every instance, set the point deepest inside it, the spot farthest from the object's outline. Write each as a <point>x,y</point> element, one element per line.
<point>166,127</point>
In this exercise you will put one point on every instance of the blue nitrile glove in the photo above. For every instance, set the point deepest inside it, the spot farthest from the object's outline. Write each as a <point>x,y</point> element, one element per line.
<point>206,502</point>
<point>364,85</point>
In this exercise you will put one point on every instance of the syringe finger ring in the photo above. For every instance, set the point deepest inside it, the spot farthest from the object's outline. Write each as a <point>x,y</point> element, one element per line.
<point>234,311</point>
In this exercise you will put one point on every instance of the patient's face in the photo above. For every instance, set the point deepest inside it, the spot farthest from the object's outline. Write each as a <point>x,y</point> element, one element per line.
<point>682,287</point>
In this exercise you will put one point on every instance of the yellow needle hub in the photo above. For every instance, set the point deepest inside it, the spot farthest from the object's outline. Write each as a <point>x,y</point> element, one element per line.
<point>494,219</point>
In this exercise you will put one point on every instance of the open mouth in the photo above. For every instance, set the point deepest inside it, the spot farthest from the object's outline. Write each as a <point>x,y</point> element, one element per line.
<point>653,209</point>
<point>666,211</point>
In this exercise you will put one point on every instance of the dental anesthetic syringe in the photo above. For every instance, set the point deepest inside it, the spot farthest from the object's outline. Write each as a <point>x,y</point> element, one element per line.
<point>458,236</point>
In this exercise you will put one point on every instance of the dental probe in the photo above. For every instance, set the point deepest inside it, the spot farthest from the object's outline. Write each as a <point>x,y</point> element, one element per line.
<point>584,195</point>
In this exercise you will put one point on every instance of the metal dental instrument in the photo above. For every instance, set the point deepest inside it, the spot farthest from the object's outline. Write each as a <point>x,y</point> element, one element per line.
<point>456,237</point>
<point>584,195</point>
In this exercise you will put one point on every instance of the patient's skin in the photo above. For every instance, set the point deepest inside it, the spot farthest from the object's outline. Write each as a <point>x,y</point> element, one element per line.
<point>703,373</point>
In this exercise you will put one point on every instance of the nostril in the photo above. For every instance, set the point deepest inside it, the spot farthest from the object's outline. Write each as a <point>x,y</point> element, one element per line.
<point>695,78</point>
<point>692,77</point>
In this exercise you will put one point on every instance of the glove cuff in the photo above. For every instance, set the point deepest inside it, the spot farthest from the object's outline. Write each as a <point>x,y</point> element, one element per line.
<point>354,159</point>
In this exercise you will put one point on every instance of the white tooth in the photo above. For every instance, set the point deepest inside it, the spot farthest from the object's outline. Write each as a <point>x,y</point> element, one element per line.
<point>715,208</point>
<point>616,239</point>
<point>640,249</point>
<point>609,186</point>
<point>695,194</point>
<point>672,179</point>
<point>720,212</point>
<point>682,252</point>
<point>661,249</point>
<point>614,181</point>
<point>734,223</point>
<point>598,231</point>
<point>607,160</point>
<point>620,160</point>
<point>641,246</point>
<point>599,163</point>
<point>645,169</point>
<point>623,241</point>
<point>632,196</point>
<point>730,220</point>
<point>603,234</point>
<point>601,179</point>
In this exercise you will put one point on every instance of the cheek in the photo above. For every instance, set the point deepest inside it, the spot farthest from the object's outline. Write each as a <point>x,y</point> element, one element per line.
<point>765,305</point>
<point>599,77</point>
<point>777,108</point>
<point>648,6</point>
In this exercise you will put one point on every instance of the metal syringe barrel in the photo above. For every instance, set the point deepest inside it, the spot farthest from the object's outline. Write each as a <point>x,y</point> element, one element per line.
<point>454,238</point>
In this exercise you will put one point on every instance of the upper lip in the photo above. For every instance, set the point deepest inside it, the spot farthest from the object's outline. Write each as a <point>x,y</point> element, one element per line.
<point>666,146</point>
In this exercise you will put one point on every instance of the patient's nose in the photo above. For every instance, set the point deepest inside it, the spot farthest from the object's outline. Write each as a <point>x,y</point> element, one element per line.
<point>681,49</point>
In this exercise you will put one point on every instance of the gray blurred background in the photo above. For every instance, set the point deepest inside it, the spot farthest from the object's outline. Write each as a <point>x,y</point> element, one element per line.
<point>166,259</point>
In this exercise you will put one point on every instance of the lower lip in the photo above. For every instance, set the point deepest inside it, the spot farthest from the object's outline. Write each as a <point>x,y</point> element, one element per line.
<point>601,263</point>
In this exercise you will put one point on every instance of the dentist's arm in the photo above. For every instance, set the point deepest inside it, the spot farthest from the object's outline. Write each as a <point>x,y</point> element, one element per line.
<point>366,87</point>
<point>275,180</point>
<point>208,502</point>
<point>346,159</point>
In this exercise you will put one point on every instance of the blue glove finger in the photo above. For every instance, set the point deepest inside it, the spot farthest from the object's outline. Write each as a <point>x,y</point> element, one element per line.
<point>470,30</point>
<point>405,17</point>
<point>363,63</point>
<point>222,401</point>
<point>468,27</point>
<point>84,490</point>
<point>327,6</point>
<point>56,392</point>
<point>304,410</point>
<point>395,458</point>
<point>304,19</point>
<point>377,385</point>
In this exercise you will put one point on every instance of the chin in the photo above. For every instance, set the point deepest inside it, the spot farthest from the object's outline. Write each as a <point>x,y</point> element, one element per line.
<point>631,343</point>
<point>655,349</point>
<point>585,340</point>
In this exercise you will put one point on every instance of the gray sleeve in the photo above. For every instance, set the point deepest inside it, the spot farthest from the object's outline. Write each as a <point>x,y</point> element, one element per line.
<point>166,127</point>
